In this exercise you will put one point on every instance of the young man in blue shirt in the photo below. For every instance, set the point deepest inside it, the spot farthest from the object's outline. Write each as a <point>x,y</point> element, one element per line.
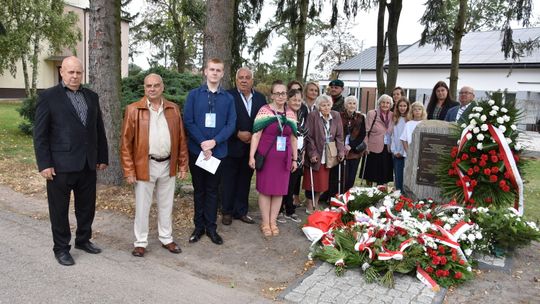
<point>210,119</point>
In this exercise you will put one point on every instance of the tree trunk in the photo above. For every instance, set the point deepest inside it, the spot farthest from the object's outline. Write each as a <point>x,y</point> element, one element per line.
<point>301,40</point>
<point>35,63</point>
<point>104,77</point>
<point>218,35</point>
<point>394,12</point>
<point>381,48</point>
<point>25,75</point>
<point>459,31</point>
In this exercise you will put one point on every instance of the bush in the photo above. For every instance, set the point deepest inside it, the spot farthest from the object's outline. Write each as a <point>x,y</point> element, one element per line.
<point>177,85</point>
<point>27,111</point>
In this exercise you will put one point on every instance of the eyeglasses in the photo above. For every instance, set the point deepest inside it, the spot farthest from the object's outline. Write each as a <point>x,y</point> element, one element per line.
<point>280,94</point>
<point>464,93</point>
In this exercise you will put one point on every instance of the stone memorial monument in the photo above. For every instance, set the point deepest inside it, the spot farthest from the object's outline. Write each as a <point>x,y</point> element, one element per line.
<point>431,139</point>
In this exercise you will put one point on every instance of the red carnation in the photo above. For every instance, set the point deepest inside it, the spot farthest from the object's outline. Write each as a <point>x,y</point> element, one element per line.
<point>507,174</point>
<point>458,275</point>
<point>443,260</point>
<point>439,273</point>
<point>472,149</point>
<point>487,171</point>
<point>476,169</point>
<point>441,249</point>
<point>488,200</point>
<point>429,269</point>
<point>470,171</point>
<point>474,183</point>
<point>450,172</point>
<point>502,183</point>
<point>459,183</point>
<point>506,189</point>
<point>494,158</point>
<point>429,216</point>
<point>461,262</point>
<point>492,152</point>
<point>494,170</point>
<point>474,160</point>
<point>516,157</point>
<point>464,156</point>
<point>493,178</point>
<point>484,157</point>
<point>421,216</point>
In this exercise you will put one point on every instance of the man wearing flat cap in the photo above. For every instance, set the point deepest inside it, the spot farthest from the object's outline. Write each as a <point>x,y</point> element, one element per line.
<point>336,88</point>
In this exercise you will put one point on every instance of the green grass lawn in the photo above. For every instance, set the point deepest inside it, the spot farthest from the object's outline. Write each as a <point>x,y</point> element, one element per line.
<point>14,144</point>
<point>531,180</point>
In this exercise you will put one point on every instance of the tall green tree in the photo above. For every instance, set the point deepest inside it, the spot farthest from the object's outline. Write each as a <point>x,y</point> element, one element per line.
<point>174,28</point>
<point>104,61</point>
<point>29,27</point>
<point>447,21</point>
<point>245,13</point>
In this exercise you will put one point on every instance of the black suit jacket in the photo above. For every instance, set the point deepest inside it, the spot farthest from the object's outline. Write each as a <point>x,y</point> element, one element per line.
<point>61,140</point>
<point>244,122</point>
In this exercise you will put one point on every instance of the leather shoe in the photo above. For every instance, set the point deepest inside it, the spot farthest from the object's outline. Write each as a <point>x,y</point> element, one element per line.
<point>172,247</point>
<point>138,252</point>
<point>88,247</point>
<point>64,258</point>
<point>196,235</point>
<point>247,219</point>
<point>226,219</point>
<point>214,236</point>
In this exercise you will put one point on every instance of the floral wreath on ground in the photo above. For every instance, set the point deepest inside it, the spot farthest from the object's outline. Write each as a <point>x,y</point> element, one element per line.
<point>382,232</point>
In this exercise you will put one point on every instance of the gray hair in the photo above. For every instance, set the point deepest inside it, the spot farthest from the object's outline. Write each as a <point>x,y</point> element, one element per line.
<point>153,75</point>
<point>383,97</point>
<point>323,98</point>
<point>350,98</point>
<point>245,69</point>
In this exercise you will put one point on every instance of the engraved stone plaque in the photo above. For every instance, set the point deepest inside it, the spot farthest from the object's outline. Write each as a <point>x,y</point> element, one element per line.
<point>432,146</point>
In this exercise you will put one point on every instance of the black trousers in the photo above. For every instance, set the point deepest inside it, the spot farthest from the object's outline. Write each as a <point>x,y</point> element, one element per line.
<point>83,185</point>
<point>288,200</point>
<point>351,168</point>
<point>235,185</point>
<point>205,195</point>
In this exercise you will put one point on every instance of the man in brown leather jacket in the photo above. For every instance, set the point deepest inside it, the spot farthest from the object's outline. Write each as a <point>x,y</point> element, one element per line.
<point>153,152</point>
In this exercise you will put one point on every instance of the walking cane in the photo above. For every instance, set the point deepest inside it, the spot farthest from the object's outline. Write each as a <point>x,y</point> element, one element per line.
<point>344,174</point>
<point>339,179</point>
<point>363,169</point>
<point>312,187</point>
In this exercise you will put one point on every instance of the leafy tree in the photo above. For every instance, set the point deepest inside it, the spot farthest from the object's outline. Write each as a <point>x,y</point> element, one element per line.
<point>27,28</point>
<point>174,28</point>
<point>447,21</point>
<point>338,46</point>
<point>245,12</point>
<point>104,75</point>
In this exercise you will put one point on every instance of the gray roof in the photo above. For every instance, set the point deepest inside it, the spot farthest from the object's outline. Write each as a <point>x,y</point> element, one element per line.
<point>478,49</point>
<point>365,60</point>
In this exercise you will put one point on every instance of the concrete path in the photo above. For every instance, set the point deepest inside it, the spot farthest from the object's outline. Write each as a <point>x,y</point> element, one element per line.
<point>30,274</point>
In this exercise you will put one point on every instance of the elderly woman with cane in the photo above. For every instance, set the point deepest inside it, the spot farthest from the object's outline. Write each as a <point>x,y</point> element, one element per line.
<point>378,167</point>
<point>324,148</point>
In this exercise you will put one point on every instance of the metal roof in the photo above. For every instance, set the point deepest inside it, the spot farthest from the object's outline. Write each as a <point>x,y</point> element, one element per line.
<point>365,60</point>
<point>478,49</point>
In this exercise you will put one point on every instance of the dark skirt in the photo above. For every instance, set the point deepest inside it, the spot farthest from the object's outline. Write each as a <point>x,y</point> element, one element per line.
<point>379,168</point>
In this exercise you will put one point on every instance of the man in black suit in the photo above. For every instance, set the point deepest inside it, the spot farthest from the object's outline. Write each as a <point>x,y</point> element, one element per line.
<point>70,144</point>
<point>236,177</point>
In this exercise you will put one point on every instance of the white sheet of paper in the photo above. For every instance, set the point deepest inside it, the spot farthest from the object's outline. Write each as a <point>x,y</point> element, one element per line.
<point>209,165</point>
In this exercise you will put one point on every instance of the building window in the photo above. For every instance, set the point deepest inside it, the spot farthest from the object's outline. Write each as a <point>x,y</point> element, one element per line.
<point>412,95</point>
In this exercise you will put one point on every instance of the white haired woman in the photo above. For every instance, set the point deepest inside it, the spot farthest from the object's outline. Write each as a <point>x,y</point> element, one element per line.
<point>379,126</point>
<point>325,133</point>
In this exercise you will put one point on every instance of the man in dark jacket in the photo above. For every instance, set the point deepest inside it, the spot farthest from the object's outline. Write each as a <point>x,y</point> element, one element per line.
<point>70,144</point>
<point>236,177</point>
<point>335,91</point>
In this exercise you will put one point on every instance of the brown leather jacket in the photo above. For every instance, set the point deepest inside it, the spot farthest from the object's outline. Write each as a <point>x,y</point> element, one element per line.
<point>134,147</point>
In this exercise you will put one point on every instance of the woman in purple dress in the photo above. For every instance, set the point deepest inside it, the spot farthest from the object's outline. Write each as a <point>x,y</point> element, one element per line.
<point>274,136</point>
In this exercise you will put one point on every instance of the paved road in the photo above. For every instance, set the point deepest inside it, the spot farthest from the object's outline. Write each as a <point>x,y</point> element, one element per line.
<point>30,274</point>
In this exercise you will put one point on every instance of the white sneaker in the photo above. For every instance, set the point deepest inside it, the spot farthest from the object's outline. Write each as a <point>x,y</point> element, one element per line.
<point>293,217</point>
<point>281,218</point>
